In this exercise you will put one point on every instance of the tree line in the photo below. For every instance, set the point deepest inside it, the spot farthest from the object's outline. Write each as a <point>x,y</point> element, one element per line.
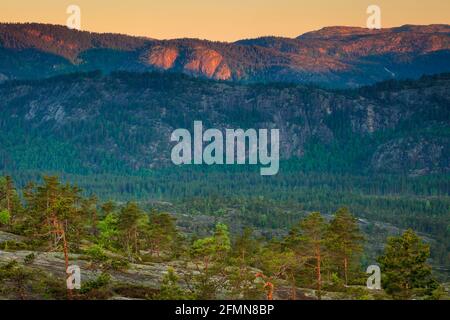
<point>321,254</point>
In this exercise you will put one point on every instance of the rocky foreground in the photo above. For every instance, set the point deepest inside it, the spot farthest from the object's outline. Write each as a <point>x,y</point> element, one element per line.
<point>135,281</point>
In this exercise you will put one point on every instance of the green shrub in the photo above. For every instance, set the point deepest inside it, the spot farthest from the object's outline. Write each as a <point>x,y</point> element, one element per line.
<point>29,259</point>
<point>96,253</point>
<point>5,217</point>
<point>13,245</point>
<point>118,264</point>
<point>102,281</point>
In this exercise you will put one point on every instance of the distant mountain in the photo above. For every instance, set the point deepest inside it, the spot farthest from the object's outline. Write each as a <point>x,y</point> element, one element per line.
<point>93,123</point>
<point>333,56</point>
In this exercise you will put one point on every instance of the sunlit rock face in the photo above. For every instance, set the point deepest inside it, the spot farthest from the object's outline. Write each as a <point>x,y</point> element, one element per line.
<point>209,63</point>
<point>197,61</point>
<point>161,57</point>
<point>333,56</point>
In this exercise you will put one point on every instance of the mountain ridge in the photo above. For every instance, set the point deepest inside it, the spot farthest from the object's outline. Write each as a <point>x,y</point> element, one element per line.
<point>332,56</point>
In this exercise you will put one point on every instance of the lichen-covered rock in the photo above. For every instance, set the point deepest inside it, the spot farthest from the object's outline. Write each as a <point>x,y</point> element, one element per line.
<point>5,236</point>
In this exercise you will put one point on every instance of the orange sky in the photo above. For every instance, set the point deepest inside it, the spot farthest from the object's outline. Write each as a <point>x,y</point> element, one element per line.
<point>224,20</point>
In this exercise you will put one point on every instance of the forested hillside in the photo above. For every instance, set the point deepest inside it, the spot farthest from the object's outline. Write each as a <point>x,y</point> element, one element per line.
<point>382,151</point>
<point>94,123</point>
<point>334,56</point>
<point>126,252</point>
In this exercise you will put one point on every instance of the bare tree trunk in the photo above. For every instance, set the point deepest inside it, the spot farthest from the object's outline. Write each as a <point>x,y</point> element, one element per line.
<point>268,286</point>
<point>293,288</point>
<point>319,272</point>
<point>59,230</point>
<point>346,270</point>
<point>66,259</point>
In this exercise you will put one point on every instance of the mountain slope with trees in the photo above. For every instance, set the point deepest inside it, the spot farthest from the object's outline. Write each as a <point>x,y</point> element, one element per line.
<point>94,123</point>
<point>334,56</point>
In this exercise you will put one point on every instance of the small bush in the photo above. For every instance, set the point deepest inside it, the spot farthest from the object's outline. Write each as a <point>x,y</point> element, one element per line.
<point>96,254</point>
<point>102,281</point>
<point>5,217</point>
<point>13,245</point>
<point>29,259</point>
<point>118,264</point>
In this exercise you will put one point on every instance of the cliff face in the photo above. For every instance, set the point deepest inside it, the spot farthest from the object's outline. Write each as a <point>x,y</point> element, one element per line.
<point>335,56</point>
<point>161,57</point>
<point>73,122</point>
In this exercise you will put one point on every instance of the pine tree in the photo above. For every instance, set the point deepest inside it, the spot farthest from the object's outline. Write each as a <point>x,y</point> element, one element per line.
<point>279,262</point>
<point>89,209</point>
<point>209,255</point>
<point>10,206</point>
<point>212,249</point>
<point>54,208</point>
<point>246,248</point>
<point>170,288</point>
<point>313,239</point>
<point>131,222</point>
<point>344,240</point>
<point>109,231</point>
<point>107,208</point>
<point>404,266</point>
<point>161,232</point>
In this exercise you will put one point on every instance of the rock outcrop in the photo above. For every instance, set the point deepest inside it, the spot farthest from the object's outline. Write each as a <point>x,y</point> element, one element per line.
<point>334,56</point>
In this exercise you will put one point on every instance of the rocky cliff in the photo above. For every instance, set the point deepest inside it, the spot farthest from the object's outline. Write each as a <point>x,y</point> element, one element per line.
<point>334,56</point>
<point>80,121</point>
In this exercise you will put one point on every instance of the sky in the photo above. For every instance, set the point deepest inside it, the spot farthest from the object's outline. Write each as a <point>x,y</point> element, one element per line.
<point>223,20</point>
